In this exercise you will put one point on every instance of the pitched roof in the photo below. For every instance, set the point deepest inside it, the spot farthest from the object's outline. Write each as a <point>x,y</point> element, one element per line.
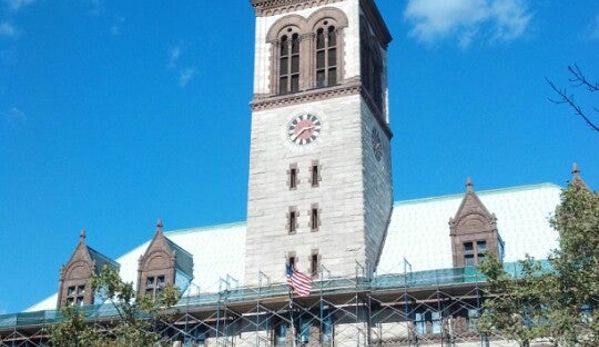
<point>101,260</point>
<point>418,232</point>
<point>183,259</point>
<point>83,251</point>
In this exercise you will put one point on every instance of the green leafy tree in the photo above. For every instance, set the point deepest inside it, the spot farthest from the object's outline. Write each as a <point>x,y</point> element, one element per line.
<point>73,331</point>
<point>518,310</point>
<point>134,326</point>
<point>576,266</point>
<point>560,303</point>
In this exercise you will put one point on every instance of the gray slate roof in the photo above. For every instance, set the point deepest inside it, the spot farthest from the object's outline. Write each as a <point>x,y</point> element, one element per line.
<point>101,260</point>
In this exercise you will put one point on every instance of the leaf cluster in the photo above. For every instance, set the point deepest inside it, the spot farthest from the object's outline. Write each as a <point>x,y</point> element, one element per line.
<point>560,303</point>
<point>518,308</point>
<point>136,321</point>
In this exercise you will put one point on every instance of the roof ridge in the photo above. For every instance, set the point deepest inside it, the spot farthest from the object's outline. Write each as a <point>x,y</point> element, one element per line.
<point>479,193</point>
<point>102,255</point>
<point>205,228</point>
<point>176,247</point>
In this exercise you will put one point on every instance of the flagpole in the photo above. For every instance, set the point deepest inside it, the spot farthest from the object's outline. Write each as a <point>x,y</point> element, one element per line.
<point>291,316</point>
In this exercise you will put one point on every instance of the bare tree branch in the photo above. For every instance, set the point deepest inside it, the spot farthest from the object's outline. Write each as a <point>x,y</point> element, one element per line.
<point>577,80</point>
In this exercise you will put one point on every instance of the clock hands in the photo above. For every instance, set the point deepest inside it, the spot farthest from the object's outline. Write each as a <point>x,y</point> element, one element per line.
<point>301,131</point>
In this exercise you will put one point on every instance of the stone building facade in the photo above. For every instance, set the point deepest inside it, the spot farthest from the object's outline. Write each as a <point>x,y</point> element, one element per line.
<point>320,200</point>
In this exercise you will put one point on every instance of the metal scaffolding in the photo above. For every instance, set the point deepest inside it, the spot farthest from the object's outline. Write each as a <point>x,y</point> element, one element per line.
<point>431,308</point>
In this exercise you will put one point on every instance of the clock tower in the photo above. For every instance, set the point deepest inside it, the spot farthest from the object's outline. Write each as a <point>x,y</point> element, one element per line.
<point>320,184</point>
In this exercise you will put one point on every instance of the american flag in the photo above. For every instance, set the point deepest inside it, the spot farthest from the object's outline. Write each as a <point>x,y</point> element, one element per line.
<point>300,283</point>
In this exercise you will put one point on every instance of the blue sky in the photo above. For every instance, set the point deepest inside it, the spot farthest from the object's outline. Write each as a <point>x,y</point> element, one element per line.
<point>116,113</point>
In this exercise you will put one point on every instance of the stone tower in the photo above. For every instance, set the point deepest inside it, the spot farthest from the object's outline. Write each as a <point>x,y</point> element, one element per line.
<point>320,185</point>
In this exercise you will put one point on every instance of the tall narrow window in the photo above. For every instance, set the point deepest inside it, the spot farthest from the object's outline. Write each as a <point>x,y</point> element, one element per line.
<point>420,323</point>
<point>314,218</point>
<point>154,285</point>
<point>472,319</point>
<point>326,56</point>
<point>428,322</point>
<point>289,63</point>
<point>314,264</point>
<point>197,338</point>
<point>293,178</point>
<point>280,334</point>
<point>292,173</point>
<point>436,322</point>
<point>365,63</point>
<point>371,66</point>
<point>304,331</point>
<point>159,285</point>
<point>150,284</point>
<point>292,220</point>
<point>292,260</point>
<point>469,260</point>
<point>474,252</point>
<point>75,295</point>
<point>315,174</point>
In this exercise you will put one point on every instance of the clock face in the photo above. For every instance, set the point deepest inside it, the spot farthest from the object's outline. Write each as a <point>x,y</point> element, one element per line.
<point>376,144</point>
<point>304,129</point>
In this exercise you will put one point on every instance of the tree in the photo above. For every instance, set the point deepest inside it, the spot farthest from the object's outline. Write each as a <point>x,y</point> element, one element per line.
<point>73,331</point>
<point>559,303</point>
<point>576,265</point>
<point>136,322</point>
<point>577,79</point>
<point>517,307</point>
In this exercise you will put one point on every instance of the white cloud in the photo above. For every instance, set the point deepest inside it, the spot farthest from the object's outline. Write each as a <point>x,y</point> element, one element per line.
<point>174,54</point>
<point>15,5</point>
<point>186,75</point>
<point>510,19</point>
<point>8,30</point>
<point>14,116</point>
<point>467,20</point>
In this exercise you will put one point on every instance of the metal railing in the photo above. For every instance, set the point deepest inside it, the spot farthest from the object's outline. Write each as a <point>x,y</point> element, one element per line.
<point>403,281</point>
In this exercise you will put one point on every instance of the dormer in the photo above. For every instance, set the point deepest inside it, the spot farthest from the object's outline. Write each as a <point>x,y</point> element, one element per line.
<point>473,231</point>
<point>75,287</point>
<point>164,263</point>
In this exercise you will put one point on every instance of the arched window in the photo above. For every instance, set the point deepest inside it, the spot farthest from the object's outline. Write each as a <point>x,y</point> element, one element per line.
<point>365,66</point>
<point>326,56</point>
<point>306,53</point>
<point>289,63</point>
<point>371,66</point>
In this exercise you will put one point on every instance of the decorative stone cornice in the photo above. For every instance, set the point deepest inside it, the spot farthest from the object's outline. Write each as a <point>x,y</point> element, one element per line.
<point>265,8</point>
<point>265,102</point>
